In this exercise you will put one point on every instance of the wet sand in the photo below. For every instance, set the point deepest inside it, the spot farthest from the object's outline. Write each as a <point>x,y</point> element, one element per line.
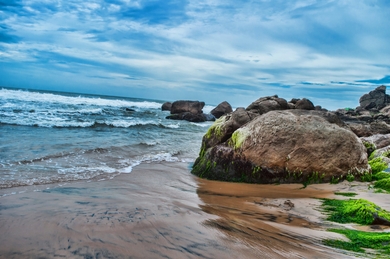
<point>162,211</point>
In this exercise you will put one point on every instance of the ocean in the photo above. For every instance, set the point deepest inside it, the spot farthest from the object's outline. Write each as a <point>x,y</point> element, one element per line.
<point>53,137</point>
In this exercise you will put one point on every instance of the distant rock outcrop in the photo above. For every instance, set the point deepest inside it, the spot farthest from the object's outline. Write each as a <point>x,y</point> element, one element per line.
<point>371,117</point>
<point>222,109</point>
<point>166,106</point>
<point>194,107</point>
<point>189,111</point>
<point>376,99</point>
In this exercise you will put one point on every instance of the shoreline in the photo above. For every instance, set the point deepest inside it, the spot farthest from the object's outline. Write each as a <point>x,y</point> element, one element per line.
<point>161,210</point>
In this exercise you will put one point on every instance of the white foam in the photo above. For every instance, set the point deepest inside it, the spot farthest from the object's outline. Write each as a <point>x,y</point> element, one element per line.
<point>26,96</point>
<point>208,108</point>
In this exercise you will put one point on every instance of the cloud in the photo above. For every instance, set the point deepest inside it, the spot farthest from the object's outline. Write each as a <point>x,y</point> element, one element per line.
<point>384,80</point>
<point>326,50</point>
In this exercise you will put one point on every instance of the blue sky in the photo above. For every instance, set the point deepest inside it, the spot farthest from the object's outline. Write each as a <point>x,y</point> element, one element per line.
<point>331,52</point>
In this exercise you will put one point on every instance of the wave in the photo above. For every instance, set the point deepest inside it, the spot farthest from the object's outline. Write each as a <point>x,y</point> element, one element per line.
<point>50,98</point>
<point>98,172</point>
<point>63,123</point>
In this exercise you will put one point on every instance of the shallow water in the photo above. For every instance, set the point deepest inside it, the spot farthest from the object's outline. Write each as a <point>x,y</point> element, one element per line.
<point>49,137</point>
<point>161,211</point>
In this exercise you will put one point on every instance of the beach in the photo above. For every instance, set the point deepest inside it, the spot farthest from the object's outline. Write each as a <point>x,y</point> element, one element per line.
<point>87,176</point>
<point>160,210</point>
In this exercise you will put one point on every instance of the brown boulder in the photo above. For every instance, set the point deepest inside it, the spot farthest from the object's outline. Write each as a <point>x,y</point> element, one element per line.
<point>379,140</point>
<point>304,104</point>
<point>166,106</point>
<point>222,109</point>
<point>266,104</point>
<point>285,146</point>
<point>364,129</point>
<point>223,128</point>
<point>376,99</point>
<point>194,107</point>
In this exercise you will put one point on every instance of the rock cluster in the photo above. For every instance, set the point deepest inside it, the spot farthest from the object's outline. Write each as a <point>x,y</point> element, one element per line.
<point>193,111</point>
<point>275,141</point>
<point>372,116</point>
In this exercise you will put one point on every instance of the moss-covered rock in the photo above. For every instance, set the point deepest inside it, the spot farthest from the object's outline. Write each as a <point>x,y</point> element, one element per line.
<point>292,146</point>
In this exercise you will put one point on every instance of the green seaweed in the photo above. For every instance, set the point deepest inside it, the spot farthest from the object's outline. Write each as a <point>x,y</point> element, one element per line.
<point>350,177</point>
<point>370,148</point>
<point>360,240</point>
<point>366,177</point>
<point>335,180</point>
<point>353,211</point>
<point>347,194</point>
<point>377,165</point>
<point>238,137</point>
<point>315,177</point>
<point>215,128</point>
<point>380,176</point>
<point>383,184</point>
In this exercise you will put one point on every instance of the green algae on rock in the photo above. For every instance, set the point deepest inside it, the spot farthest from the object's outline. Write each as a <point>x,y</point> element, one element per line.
<point>291,146</point>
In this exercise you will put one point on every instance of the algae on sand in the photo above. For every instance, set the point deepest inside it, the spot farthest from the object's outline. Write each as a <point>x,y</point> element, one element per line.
<point>360,240</point>
<point>354,211</point>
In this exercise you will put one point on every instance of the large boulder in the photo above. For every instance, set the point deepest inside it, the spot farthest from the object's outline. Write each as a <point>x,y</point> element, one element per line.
<point>192,117</point>
<point>379,140</point>
<point>304,104</point>
<point>194,107</point>
<point>268,103</point>
<point>222,109</point>
<point>166,106</point>
<point>223,128</point>
<point>366,129</point>
<point>376,99</point>
<point>283,147</point>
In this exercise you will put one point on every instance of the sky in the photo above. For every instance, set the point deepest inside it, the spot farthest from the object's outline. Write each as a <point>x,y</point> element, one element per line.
<point>329,51</point>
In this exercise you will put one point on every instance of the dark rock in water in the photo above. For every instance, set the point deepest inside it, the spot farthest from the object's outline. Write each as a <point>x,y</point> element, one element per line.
<point>129,110</point>
<point>194,107</point>
<point>222,109</point>
<point>188,116</point>
<point>266,104</point>
<point>166,106</point>
<point>294,100</point>
<point>304,104</point>
<point>281,147</point>
<point>189,111</point>
<point>376,99</point>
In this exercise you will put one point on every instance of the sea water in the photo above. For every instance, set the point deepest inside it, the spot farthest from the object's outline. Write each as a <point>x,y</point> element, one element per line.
<point>49,137</point>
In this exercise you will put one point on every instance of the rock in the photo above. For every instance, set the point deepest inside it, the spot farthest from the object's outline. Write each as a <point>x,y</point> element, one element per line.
<point>224,127</point>
<point>194,107</point>
<point>379,140</point>
<point>188,116</point>
<point>291,105</point>
<point>129,110</point>
<point>376,99</point>
<point>266,104</point>
<point>283,147</point>
<point>362,129</point>
<point>222,109</point>
<point>304,104</point>
<point>166,106</point>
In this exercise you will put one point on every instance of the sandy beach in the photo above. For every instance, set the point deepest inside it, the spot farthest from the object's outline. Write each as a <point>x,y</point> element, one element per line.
<point>160,210</point>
